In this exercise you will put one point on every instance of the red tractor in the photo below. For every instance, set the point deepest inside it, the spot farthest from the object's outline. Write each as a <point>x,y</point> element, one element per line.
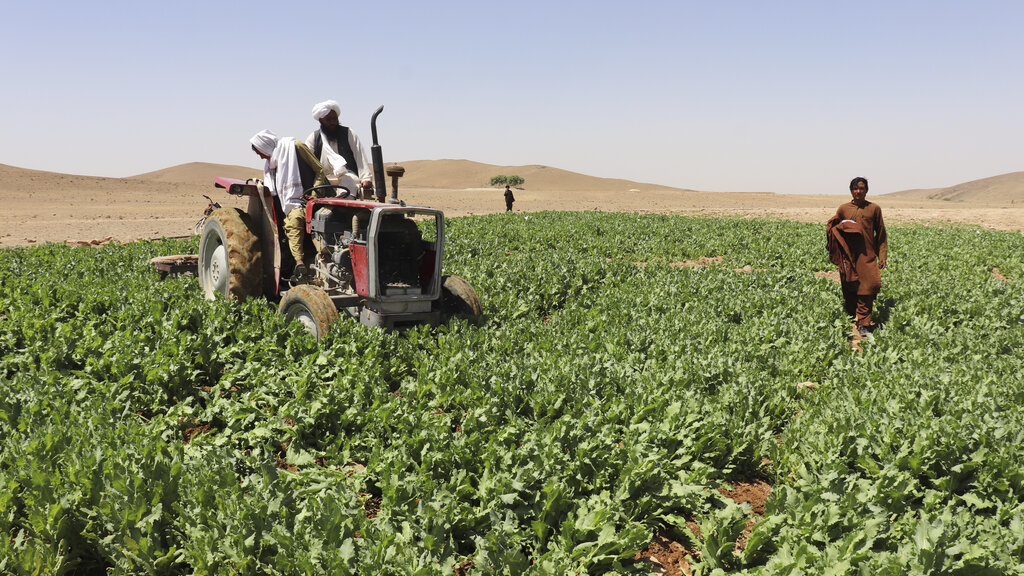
<point>376,261</point>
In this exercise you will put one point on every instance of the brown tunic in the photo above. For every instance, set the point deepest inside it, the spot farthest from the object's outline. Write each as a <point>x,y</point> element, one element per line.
<point>857,241</point>
<point>849,248</point>
<point>868,215</point>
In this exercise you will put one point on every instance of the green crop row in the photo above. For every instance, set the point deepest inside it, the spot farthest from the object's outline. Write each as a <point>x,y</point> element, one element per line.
<point>626,369</point>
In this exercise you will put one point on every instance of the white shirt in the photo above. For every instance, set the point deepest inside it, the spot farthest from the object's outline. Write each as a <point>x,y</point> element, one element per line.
<point>282,176</point>
<point>335,168</point>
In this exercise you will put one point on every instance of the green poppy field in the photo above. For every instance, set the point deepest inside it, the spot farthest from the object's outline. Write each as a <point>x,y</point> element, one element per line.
<point>629,372</point>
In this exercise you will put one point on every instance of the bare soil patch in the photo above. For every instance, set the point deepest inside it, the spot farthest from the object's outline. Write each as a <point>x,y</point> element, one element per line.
<point>668,557</point>
<point>672,558</point>
<point>699,262</point>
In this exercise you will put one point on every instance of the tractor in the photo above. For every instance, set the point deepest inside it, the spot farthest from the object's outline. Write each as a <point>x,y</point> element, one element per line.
<point>376,260</point>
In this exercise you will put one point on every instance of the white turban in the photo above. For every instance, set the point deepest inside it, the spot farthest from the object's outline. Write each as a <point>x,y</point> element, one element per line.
<point>265,142</point>
<point>323,108</point>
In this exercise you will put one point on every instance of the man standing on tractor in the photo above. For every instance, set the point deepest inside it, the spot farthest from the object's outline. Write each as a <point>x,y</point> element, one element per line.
<point>289,169</point>
<point>339,151</point>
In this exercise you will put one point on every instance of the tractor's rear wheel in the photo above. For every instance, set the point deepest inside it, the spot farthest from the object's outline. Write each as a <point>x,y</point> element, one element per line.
<point>310,306</point>
<point>459,298</point>
<point>229,256</point>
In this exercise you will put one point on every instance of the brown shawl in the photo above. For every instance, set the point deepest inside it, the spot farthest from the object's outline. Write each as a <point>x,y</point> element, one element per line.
<point>850,248</point>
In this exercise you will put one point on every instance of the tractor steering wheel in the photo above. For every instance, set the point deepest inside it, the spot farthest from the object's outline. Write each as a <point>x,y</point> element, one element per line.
<point>340,191</point>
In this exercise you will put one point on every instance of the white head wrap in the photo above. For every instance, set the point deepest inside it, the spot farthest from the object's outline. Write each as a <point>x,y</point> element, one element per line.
<point>323,108</point>
<point>265,142</point>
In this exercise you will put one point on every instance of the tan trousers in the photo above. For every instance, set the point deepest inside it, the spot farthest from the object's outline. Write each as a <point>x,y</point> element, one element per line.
<point>295,230</point>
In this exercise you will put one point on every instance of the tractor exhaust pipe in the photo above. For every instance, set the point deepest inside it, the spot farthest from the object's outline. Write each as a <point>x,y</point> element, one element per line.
<point>380,189</point>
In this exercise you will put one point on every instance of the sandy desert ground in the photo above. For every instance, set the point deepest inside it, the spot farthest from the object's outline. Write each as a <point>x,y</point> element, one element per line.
<point>41,207</point>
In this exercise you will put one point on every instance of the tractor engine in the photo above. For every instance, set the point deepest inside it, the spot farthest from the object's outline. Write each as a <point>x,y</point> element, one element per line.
<point>333,229</point>
<point>399,248</point>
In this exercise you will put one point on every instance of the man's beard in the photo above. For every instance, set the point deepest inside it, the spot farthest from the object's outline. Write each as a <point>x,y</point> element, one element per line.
<point>331,131</point>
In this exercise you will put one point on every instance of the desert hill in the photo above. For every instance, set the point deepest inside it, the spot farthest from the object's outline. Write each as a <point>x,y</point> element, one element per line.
<point>15,180</point>
<point>1002,190</point>
<point>1005,189</point>
<point>40,206</point>
<point>199,173</point>
<point>445,174</point>
<point>468,174</point>
<point>24,181</point>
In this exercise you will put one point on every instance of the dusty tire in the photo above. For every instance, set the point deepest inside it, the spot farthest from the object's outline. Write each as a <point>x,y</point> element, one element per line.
<point>310,306</point>
<point>459,298</point>
<point>230,261</point>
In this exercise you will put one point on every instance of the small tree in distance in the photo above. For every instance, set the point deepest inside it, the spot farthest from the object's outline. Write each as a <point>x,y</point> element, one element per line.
<point>502,180</point>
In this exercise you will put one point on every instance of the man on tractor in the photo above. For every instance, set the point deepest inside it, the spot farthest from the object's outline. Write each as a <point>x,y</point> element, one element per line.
<point>339,150</point>
<point>372,261</point>
<point>289,169</point>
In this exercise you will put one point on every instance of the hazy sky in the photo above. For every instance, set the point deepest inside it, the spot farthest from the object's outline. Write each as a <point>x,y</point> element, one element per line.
<point>785,96</point>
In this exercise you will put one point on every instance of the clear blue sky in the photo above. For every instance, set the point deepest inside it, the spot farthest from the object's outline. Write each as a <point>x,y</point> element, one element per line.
<point>791,97</point>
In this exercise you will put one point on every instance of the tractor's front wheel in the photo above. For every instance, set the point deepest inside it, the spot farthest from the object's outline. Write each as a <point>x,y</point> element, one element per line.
<point>229,256</point>
<point>459,298</point>
<point>310,306</point>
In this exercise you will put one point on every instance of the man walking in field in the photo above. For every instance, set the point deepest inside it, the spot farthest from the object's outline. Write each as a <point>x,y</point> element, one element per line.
<point>858,245</point>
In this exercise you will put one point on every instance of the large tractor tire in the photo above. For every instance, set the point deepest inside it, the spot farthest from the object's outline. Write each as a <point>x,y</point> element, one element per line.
<point>459,298</point>
<point>229,256</point>
<point>311,306</point>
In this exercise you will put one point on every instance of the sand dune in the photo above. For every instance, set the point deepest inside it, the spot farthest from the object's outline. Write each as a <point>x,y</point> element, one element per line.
<point>44,206</point>
<point>199,174</point>
<point>456,174</point>
<point>1002,190</point>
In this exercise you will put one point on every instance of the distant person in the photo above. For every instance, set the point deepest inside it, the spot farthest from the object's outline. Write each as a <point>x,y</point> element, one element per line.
<point>858,245</point>
<point>342,157</point>
<point>509,199</point>
<point>289,169</point>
